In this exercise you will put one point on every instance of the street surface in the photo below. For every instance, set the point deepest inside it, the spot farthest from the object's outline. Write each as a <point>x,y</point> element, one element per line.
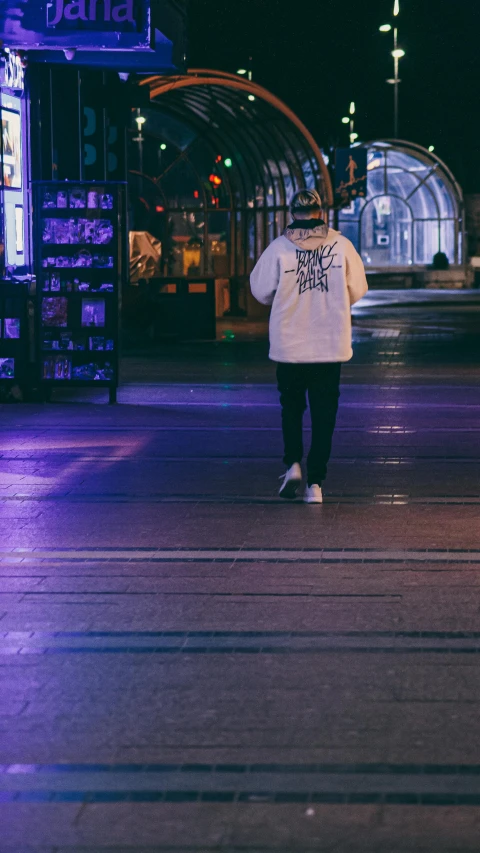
<point>190,665</point>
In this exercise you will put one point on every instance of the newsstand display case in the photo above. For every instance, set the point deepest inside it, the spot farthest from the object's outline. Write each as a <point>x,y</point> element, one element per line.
<point>80,262</point>
<point>13,333</point>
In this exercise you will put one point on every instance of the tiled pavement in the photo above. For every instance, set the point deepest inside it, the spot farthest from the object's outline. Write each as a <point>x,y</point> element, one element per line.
<point>188,665</point>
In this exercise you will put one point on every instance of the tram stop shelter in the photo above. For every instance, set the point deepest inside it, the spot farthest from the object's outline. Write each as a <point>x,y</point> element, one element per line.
<point>215,160</point>
<point>410,227</point>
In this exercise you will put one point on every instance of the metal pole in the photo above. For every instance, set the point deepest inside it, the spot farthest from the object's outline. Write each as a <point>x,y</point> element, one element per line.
<point>352,122</point>
<point>395,85</point>
<point>139,139</point>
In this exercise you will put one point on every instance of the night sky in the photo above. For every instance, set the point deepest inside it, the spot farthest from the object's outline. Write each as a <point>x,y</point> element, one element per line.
<point>318,55</point>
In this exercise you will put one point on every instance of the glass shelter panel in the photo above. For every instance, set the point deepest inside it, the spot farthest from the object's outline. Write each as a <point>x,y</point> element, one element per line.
<point>219,248</point>
<point>447,239</point>
<point>443,196</point>
<point>423,203</point>
<point>386,235</point>
<point>184,249</point>
<point>427,240</point>
<point>412,210</point>
<point>180,185</point>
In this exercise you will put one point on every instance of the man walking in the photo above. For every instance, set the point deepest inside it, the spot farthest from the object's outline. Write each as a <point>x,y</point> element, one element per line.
<point>311,276</point>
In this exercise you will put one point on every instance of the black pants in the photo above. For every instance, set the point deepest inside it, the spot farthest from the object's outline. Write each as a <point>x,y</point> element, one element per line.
<point>321,382</point>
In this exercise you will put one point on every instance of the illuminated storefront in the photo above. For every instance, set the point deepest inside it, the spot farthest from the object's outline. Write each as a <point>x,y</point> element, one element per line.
<point>413,211</point>
<point>15,165</point>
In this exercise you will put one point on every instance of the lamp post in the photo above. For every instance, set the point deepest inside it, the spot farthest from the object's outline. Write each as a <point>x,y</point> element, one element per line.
<point>397,54</point>
<point>350,120</point>
<point>140,120</point>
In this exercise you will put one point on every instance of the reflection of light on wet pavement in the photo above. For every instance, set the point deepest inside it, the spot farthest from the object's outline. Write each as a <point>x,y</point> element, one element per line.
<point>66,458</point>
<point>160,603</point>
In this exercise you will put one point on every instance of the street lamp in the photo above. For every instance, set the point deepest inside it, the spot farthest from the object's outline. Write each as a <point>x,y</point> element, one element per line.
<point>140,120</point>
<point>350,119</point>
<point>397,54</point>
<point>246,72</point>
<point>353,135</point>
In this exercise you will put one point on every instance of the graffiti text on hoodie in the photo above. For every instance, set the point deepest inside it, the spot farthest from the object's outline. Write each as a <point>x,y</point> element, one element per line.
<point>313,266</point>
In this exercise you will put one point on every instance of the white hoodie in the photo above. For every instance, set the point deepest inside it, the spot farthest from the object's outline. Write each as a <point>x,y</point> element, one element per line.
<point>310,276</point>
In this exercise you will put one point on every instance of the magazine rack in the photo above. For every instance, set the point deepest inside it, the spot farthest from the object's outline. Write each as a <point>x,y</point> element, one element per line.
<point>14,332</point>
<point>79,240</point>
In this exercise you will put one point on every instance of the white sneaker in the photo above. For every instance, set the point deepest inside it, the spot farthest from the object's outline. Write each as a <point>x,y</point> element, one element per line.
<point>313,494</point>
<point>291,481</point>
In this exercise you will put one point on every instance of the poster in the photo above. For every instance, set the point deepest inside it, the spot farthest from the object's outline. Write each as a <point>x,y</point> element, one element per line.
<point>54,311</point>
<point>93,312</point>
<point>350,175</point>
<point>12,149</point>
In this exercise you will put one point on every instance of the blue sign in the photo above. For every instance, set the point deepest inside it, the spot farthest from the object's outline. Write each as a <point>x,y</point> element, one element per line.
<point>350,175</point>
<point>71,24</point>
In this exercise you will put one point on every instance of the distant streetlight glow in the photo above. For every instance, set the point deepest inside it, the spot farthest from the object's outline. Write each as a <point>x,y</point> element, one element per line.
<point>251,97</point>
<point>397,54</point>
<point>431,148</point>
<point>350,120</point>
<point>242,71</point>
<point>228,163</point>
<point>163,147</point>
<point>140,120</point>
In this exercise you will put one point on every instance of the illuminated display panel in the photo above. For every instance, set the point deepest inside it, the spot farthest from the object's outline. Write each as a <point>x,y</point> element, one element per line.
<point>12,149</point>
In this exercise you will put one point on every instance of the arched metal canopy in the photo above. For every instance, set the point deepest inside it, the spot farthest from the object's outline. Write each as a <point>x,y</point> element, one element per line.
<point>221,100</point>
<point>221,157</point>
<point>413,208</point>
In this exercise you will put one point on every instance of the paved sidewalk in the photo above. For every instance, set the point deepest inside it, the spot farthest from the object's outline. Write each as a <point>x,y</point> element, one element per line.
<point>190,665</point>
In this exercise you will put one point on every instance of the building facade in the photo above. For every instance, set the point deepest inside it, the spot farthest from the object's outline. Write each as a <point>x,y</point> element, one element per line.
<point>66,102</point>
